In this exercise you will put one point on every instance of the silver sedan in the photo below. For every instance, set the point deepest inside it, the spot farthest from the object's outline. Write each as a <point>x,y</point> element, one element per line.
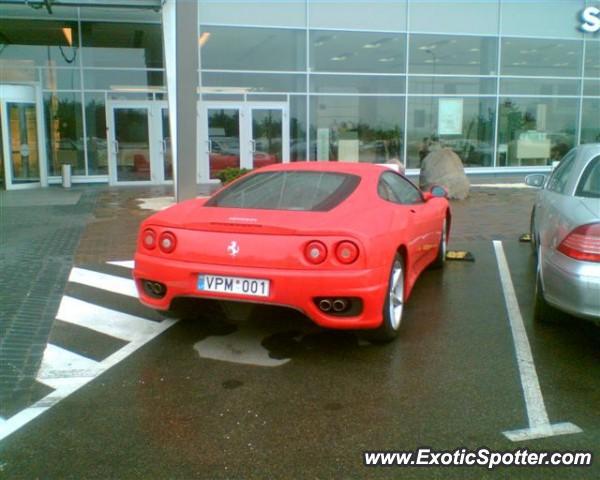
<point>565,235</point>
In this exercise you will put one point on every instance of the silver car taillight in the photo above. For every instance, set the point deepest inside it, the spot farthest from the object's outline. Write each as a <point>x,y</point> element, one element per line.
<point>583,243</point>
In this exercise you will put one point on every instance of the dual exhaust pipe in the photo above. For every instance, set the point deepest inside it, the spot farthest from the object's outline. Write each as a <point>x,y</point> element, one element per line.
<point>337,305</point>
<point>154,289</point>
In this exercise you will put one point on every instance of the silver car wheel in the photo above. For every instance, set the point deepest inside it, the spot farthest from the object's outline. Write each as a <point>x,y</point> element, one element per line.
<point>396,295</point>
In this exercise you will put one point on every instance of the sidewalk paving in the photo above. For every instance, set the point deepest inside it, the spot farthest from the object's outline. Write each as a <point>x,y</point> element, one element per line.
<point>43,233</point>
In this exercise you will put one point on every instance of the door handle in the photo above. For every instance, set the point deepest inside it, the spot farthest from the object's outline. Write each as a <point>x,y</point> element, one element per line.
<point>253,146</point>
<point>116,146</point>
<point>209,146</point>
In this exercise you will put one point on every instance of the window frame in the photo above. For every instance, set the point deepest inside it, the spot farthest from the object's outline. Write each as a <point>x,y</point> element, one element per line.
<point>564,169</point>
<point>594,163</point>
<point>401,181</point>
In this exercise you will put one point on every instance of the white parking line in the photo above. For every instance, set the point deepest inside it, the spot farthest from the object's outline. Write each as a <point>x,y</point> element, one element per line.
<point>124,263</point>
<point>104,320</point>
<point>539,423</point>
<point>111,283</point>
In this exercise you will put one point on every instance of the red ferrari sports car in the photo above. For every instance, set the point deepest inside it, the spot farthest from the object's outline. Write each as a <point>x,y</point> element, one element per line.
<point>344,243</point>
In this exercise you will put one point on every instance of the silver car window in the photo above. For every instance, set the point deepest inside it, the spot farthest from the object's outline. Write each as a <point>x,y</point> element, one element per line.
<point>560,177</point>
<point>589,185</point>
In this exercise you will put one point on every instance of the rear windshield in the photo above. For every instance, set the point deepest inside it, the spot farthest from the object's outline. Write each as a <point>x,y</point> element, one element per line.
<point>589,185</point>
<point>294,190</point>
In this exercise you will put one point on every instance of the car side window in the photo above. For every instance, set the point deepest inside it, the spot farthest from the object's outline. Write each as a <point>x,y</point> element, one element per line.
<point>558,181</point>
<point>589,185</point>
<point>394,188</point>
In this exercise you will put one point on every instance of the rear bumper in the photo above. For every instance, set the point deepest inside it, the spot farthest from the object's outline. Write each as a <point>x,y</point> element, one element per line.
<point>290,288</point>
<point>571,285</point>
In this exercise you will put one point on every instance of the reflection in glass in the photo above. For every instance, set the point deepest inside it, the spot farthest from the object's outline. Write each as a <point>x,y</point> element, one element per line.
<point>64,132</point>
<point>357,84</point>
<point>591,87</point>
<point>542,86</point>
<point>132,146</point>
<point>466,125</point>
<point>223,139</point>
<point>360,52</point>
<point>166,145</point>
<point>61,78</point>
<point>453,54</point>
<point>130,45</point>
<point>452,85</point>
<point>592,59</point>
<point>94,79</point>
<point>535,131</point>
<point>23,142</point>
<point>356,129</point>
<point>97,147</point>
<point>590,121</point>
<point>267,136</point>
<point>42,43</point>
<point>298,122</point>
<point>223,82</point>
<point>245,48</point>
<point>539,57</point>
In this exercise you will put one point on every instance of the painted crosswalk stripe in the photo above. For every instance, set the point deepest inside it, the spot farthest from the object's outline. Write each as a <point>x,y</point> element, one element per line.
<point>59,365</point>
<point>111,283</point>
<point>104,320</point>
<point>125,263</point>
<point>66,371</point>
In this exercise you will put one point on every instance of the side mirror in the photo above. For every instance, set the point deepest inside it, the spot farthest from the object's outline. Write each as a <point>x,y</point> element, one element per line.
<point>438,191</point>
<point>536,180</point>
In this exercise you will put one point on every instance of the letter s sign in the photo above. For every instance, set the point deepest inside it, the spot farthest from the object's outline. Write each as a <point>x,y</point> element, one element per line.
<point>591,20</point>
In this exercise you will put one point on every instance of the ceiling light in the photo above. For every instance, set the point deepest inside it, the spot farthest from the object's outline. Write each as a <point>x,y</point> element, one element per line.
<point>204,36</point>
<point>474,50</point>
<point>68,33</point>
<point>372,45</point>
<point>339,58</point>
<point>387,59</point>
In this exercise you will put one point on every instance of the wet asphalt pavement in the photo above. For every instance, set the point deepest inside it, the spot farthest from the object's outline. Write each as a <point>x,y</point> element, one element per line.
<point>263,393</point>
<point>450,380</point>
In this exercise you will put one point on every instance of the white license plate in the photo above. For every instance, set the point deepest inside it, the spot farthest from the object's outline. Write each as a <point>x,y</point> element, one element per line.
<point>255,287</point>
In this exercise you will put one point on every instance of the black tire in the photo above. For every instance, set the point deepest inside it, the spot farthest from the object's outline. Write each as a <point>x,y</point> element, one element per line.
<point>392,317</point>
<point>543,312</point>
<point>533,242</point>
<point>440,260</point>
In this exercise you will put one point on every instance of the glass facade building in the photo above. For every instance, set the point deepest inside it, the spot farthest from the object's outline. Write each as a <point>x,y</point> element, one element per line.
<point>508,85</point>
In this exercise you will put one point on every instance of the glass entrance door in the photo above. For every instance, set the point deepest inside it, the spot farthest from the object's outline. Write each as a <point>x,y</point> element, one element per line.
<point>222,147</point>
<point>20,144</point>
<point>140,143</point>
<point>266,140</point>
<point>131,144</point>
<point>166,146</point>
<point>242,135</point>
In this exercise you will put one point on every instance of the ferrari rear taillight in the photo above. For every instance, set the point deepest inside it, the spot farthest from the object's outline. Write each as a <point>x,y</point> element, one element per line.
<point>583,243</point>
<point>167,242</point>
<point>346,252</point>
<point>315,252</point>
<point>149,238</point>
